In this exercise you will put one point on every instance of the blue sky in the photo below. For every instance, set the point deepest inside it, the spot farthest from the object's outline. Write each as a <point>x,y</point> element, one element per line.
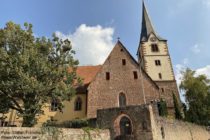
<point>94,25</point>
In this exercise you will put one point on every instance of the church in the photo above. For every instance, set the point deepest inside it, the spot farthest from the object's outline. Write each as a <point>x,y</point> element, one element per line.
<point>122,95</point>
<point>119,82</point>
<point>123,81</point>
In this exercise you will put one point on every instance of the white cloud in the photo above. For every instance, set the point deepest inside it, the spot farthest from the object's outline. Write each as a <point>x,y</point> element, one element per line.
<point>179,67</point>
<point>205,70</point>
<point>196,49</point>
<point>178,74</point>
<point>91,43</point>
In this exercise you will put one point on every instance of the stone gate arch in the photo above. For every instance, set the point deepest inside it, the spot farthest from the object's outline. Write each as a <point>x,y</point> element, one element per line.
<point>123,126</point>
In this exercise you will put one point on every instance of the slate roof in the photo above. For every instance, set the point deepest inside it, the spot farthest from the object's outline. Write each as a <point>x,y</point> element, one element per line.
<point>147,27</point>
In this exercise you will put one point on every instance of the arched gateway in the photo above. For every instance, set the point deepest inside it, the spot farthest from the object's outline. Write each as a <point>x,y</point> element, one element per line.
<point>123,127</point>
<point>127,123</point>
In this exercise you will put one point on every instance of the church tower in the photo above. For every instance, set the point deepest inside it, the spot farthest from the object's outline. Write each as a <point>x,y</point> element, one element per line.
<point>154,58</point>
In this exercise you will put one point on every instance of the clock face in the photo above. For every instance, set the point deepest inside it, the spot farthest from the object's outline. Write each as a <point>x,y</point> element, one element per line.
<point>152,39</point>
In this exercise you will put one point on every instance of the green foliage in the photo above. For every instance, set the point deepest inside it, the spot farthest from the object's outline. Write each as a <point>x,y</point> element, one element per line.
<point>53,132</point>
<point>197,95</point>
<point>87,134</point>
<point>77,123</point>
<point>3,106</point>
<point>162,107</point>
<point>178,114</point>
<point>34,71</point>
<point>52,128</point>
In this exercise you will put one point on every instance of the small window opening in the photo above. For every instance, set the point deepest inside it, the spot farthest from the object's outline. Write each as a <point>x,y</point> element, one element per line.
<point>78,104</point>
<point>157,62</point>
<point>144,125</point>
<point>135,75</point>
<point>162,132</point>
<point>162,89</point>
<point>107,76</point>
<point>155,48</point>
<point>54,105</point>
<point>160,75</point>
<point>123,62</point>
<point>121,50</point>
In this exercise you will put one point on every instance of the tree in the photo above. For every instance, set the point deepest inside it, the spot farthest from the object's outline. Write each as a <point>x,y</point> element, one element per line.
<point>34,71</point>
<point>162,108</point>
<point>197,95</point>
<point>178,114</point>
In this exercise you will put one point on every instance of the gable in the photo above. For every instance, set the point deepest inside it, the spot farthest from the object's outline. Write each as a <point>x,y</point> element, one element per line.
<point>117,76</point>
<point>118,53</point>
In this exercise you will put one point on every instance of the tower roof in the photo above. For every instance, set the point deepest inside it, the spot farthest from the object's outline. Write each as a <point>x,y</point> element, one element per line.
<point>147,27</point>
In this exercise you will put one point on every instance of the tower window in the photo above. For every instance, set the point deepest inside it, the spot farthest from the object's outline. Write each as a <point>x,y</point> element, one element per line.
<point>154,48</point>
<point>107,76</point>
<point>160,75</point>
<point>54,105</point>
<point>162,89</point>
<point>123,62</point>
<point>78,104</point>
<point>135,75</point>
<point>157,62</point>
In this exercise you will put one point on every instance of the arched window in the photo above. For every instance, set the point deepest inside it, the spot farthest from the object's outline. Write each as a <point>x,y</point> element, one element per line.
<point>122,100</point>
<point>78,104</point>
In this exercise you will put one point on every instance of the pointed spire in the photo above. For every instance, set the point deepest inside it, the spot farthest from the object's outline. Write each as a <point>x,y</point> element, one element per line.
<point>147,27</point>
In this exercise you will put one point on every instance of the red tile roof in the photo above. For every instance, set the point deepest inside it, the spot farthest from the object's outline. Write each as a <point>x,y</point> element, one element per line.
<point>87,73</point>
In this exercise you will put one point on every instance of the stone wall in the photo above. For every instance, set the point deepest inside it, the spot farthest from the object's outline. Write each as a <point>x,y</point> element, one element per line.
<point>104,93</point>
<point>20,133</point>
<point>167,89</point>
<point>147,125</point>
<point>178,130</point>
<point>138,115</point>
